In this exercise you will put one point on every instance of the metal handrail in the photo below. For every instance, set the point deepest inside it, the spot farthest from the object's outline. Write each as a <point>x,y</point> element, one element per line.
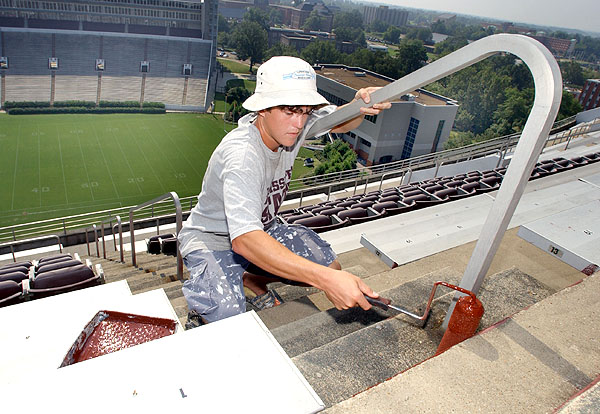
<point>178,223</point>
<point>548,93</point>
<point>16,242</point>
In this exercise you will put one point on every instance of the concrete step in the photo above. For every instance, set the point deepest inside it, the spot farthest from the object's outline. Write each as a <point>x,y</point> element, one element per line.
<point>364,358</point>
<point>321,328</point>
<point>531,362</point>
<point>587,401</point>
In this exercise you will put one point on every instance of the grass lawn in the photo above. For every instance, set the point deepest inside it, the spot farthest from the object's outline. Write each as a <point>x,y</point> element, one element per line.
<point>299,169</point>
<point>248,84</point>
<point>236,67</point>
<point>59,165</point>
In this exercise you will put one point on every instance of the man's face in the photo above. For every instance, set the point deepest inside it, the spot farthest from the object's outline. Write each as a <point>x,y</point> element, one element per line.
<point>281,125</point>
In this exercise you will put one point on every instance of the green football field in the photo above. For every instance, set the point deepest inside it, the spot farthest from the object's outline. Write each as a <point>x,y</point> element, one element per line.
<point>60,165</point>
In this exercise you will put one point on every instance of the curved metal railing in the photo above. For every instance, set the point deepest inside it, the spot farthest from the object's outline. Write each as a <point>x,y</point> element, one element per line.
<point>12,244</point>
<point>178,223</point>
<point>548,93</point>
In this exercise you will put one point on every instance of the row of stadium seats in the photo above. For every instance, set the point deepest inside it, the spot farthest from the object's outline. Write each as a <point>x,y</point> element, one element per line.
<point>46,277</point>
<point>162,244</point>
<point>335,214</point>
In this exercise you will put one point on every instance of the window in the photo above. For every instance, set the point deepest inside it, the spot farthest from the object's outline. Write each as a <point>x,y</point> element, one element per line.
<point>144,66</point>
<point>410,138</point>
<point>3,62</point>
<point>438,133</point>
<point>371,118</point>
<point>53,63</point>
<point>187,69</point>
<point>365,142</point>
<point>100,64</point>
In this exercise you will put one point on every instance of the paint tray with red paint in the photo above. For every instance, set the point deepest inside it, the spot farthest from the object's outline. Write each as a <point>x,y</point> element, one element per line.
<point>111,331</point>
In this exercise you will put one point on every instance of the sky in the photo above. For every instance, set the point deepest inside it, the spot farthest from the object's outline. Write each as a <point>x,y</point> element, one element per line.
<point>570,14</point>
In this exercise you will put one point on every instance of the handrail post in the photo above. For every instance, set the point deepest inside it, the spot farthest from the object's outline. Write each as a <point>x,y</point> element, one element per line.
<point>132,237</point>
<point>120,225</point>
<point>87,240</point>
<point>12,250</point>
<point>103,241</point>
<point>96,238</point>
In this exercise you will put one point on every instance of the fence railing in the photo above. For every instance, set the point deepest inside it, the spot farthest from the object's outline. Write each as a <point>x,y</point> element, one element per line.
<point>118,226</point>
<point>12,244</point>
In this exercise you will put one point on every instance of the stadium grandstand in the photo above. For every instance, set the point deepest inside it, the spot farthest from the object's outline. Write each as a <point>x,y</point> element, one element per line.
<point>527,205</point>
<point>147,51</point>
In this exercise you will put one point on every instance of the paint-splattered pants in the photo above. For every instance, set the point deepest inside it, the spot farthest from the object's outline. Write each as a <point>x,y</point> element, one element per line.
<point>215,288</point>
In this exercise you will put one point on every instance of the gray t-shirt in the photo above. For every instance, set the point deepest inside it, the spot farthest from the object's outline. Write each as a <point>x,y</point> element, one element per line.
<point>243,187</point>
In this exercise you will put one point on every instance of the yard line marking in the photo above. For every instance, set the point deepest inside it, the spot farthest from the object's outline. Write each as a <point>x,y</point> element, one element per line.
<point>12,203</point>
<point>166,133</point>
<point>62,167</point>
<point>105,162</point>
<point>146,158</point>
<point>85,166</point>
<point>128,165</point>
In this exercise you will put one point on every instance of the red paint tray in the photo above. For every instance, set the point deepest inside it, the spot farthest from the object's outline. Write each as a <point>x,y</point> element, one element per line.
<point>110,331</point>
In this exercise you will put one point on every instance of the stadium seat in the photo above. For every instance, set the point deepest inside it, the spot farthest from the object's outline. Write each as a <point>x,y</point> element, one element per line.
<point>411,193</point>
<point>63,279</point>
<point>454,184</point>
<point>564,164</point>
<point>153,244</point>
<point>417,201</point>
<point>390,197</point>
<point>359,215</point>
<point>169,246</point>
<point>319,209</point>
<point>592,157</point>
<point>292,219</point>
<point>347,203</point>
<point>363,204</point>
<point>48,267</point>
<point>54,258</point>
<point>14,276</point>
<point>470,188</point>
<point>332,211</point>
<point>372,197</point>
<point>579,161</point>
<point>471,179</point>
<point>432,188</point>
<point>8,270</point>
<point>493,183</point>
<point>446,193</point>
<point>26,264</point>
<point>9,291</point>
<point>321,223</point>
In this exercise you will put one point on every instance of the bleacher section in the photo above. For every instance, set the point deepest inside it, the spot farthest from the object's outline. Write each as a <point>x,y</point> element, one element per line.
<point>29,78</point>
<point>331,215</point>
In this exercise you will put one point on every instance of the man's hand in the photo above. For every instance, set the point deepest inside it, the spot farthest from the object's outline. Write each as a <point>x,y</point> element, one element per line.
<point>346,290</point>
<point>365,95</point>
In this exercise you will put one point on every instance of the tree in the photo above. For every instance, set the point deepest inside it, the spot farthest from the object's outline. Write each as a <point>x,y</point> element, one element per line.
<point>250,40</point>
<point>259,16</point>
<point>423,34</point>
<point>235,97</point>
<point>572,73</point>
<point>378,26</point>
<point>224,25</point>
<point>279,49</point>
<point>411,56</point>
<point>569,106</point>
<point>336,157</point>
<point>314,21</point>
<point>348,27</point>
<point>321,51</point>
<point>392,34</point>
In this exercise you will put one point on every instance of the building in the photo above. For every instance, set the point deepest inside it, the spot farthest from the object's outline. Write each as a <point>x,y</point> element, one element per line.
<point>395,17</point>
<point>590,94</point>
<point>297,38</point>
<point>295,17</point>
<point>558,47</point>
<point>121,50</point>
<point>418,123</point>
<point>157,17</point>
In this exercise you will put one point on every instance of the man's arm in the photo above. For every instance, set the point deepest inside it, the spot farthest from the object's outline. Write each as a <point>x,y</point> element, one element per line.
<point>365,95</point>
<point>343,289</point>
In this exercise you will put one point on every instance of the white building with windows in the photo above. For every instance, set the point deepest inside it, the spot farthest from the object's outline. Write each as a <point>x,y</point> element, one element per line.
<point>418,123</point>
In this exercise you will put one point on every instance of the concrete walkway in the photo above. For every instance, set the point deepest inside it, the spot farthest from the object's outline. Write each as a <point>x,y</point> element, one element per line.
<point>530,363</point>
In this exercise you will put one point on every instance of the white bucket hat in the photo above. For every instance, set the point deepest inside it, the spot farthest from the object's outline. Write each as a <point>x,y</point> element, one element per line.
<point>284,80</point>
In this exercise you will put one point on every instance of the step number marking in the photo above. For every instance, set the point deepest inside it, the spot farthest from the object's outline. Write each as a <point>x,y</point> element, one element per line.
<point>555,251</point>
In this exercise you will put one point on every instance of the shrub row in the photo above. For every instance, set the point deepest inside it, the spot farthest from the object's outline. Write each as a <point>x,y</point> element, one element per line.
<point>86,104</point>
<point>84,110</point>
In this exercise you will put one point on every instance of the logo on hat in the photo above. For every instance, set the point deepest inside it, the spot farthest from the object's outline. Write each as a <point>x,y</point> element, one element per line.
<point>301,74</point>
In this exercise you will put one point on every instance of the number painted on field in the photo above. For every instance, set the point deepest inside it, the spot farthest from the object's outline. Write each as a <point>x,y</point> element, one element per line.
<point>91,184</point>
<point>180,175</point>
<point>40,190</point>
<point>35,134</point>
<point>77,131</point>
<point>135,180</point>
